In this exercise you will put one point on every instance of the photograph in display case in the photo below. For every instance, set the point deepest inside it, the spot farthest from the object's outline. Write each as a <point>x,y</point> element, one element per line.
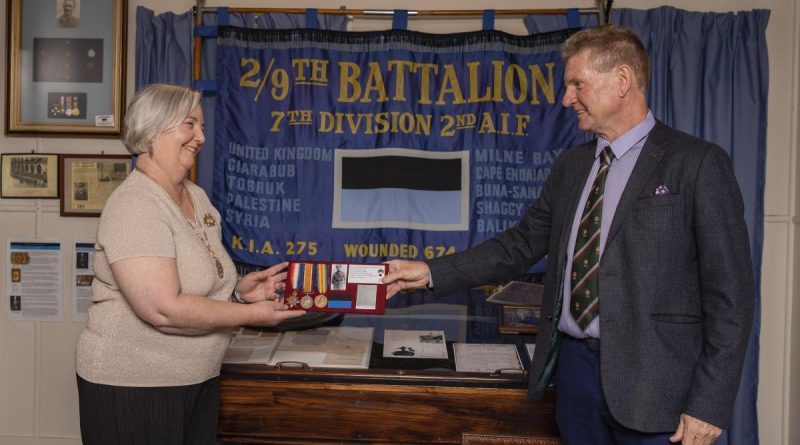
<point>519,319</point>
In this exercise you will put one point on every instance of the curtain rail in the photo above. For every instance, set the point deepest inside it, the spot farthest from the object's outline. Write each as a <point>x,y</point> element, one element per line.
<point>411,13</point>
<point>602,10</point>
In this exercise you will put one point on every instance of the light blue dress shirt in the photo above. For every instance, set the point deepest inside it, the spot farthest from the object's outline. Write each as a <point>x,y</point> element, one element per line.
<point>626,150</point>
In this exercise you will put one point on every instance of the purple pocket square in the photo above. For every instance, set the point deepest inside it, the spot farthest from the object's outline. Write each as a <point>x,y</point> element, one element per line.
<point>662,190</point>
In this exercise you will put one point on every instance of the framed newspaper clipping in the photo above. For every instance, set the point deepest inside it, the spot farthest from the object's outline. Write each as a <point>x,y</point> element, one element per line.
<point>87,182</point>
<point>66,67</point>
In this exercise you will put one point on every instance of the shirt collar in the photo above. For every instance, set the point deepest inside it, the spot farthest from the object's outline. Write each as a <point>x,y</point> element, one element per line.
<point>629,139</point>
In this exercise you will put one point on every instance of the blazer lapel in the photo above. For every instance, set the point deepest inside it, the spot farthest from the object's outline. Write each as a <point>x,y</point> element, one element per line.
<point>649,158</point>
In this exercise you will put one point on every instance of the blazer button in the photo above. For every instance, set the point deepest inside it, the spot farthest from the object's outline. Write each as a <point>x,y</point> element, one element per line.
<point>549,318</point>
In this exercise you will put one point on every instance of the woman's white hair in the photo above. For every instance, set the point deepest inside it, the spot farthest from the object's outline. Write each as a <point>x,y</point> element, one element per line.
<point>155,109</point>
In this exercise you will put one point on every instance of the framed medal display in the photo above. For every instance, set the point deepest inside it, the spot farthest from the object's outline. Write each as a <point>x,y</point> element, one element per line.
<point>324,286</point>
<point>65,62</point>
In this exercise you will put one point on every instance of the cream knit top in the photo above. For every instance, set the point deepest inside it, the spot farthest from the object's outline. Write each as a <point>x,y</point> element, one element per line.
<point>117,347</point>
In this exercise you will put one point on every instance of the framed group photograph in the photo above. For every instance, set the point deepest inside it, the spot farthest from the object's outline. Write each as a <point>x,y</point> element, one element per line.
<point>519,319</point>
<point>87,182</point>
<point>28,175</point>
<point>66,67</point>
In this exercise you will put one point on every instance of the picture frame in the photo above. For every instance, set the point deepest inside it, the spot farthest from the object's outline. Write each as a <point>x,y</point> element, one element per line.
<point>519,319</point>
<point>29,176</point>
<point>87,181</point>
<point>65,67</point>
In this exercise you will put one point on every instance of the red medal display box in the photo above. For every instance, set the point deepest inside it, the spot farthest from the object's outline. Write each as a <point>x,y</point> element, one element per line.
<point>325,286</point>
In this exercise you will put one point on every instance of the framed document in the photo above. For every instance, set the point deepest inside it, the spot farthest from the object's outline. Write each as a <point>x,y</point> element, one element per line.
<point>29,175</point>
<point>66,67</point>
<point>487,358</point>
<point>87,182</point>
<point>325,286</point>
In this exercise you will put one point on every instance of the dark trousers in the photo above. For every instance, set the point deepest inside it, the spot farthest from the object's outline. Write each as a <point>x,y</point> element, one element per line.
<point>166,415</point>
<point>582,414</point>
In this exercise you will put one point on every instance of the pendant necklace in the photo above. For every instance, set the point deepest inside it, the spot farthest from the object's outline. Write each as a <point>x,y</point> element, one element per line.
<point>203,238</point>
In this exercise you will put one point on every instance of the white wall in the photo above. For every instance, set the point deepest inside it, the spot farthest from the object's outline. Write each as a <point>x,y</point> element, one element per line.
<point>38,399</point>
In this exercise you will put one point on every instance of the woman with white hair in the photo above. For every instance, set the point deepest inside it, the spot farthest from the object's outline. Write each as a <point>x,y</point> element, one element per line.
<point>165,294</point>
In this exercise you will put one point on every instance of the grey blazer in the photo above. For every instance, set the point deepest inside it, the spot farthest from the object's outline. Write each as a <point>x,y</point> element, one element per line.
<point>676,280</point>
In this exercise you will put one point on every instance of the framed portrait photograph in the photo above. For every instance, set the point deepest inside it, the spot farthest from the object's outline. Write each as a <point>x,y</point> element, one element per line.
<point>29,175</point>
<point>66,67</point>
<point>519,319</point>
<point>87,182</point>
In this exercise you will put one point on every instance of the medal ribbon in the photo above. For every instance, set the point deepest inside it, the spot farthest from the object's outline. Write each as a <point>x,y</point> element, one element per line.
<point>296,271</point>
<point>308,277</point>
<point>322,278</point>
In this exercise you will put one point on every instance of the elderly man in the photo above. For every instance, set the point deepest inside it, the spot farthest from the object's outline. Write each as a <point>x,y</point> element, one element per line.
<point>649,291</point>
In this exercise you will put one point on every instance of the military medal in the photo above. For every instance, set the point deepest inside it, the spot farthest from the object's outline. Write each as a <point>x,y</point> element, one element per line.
<point>322,286</point>
<point>293,299</point>
<point>209,220</point>
<point>306,302</point>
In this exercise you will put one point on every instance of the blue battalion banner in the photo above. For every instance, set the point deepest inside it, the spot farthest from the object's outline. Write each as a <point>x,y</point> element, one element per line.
<point>372,146</point>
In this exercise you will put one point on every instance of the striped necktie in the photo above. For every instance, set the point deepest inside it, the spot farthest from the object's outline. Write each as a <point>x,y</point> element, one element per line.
<point>586,261</point>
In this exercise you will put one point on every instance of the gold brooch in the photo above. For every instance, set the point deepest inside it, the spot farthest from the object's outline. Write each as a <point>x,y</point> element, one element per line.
<point>209,220</point>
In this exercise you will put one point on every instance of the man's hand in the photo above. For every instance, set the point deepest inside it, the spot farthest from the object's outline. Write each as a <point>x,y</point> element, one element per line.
<point>405,275</point>
<point>692,431</point>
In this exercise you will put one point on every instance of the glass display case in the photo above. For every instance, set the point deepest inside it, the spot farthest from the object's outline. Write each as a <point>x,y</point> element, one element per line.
<point>419,383</point>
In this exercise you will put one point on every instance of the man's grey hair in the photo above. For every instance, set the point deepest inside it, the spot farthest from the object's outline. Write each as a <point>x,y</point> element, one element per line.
<point>611,46</point>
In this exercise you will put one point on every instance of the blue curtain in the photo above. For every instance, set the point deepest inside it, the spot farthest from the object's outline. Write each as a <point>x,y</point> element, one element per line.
<point>164,54</point>
<point>710,79</point>
<point>163,48</point>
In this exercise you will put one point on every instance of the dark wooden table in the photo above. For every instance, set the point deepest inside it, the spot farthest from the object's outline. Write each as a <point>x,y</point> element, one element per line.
<point>291,405</point>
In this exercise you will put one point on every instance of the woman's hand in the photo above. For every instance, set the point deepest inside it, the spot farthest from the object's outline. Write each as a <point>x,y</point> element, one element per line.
<point>263,285</point>
<point>260,289</point>
<point>270,313</point>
